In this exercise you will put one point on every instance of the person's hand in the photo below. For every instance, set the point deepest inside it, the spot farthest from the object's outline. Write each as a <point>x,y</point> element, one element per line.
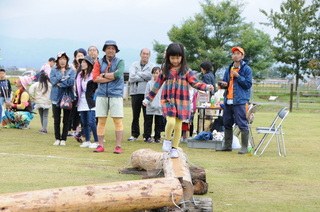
<point>211,88</point>
<point>144,104</point>
<point>223,83</point>
<point>234,73</point>
<point>9,105</point>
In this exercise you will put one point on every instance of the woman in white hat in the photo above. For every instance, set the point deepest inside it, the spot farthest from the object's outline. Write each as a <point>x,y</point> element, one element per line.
<point>62,79</point>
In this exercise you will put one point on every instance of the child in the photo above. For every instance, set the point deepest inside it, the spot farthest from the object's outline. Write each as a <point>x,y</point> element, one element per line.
<point>175,94</point>
<point>5,89</point>
<point>40,92</point>
<point>153,109</point>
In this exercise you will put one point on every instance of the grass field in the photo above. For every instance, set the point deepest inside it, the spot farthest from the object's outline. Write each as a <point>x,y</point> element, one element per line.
<point>29,161</point>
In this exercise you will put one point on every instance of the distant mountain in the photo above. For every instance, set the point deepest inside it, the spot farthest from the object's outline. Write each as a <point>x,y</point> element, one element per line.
<point>33,53</point>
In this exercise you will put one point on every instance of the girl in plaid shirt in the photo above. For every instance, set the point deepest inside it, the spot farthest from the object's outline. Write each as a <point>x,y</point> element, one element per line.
<point>175,78</point>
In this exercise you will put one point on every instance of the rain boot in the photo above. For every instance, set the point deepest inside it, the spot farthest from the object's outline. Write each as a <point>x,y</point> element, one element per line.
<point>244,141</point>
<point>227,147</point>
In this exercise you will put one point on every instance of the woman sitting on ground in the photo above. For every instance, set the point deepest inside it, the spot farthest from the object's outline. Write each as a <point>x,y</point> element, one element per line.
<point>18,114</point>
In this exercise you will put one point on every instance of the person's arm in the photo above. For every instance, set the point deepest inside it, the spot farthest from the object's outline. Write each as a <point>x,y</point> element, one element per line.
<point>69,81</point>
<point>55,77</point>
<point>108,77</point>
<point>32,90</point>
<point>24,102</point>
<point>245,80</point>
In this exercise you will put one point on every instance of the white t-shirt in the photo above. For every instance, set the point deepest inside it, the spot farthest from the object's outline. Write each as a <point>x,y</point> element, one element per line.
<point>83,105</point>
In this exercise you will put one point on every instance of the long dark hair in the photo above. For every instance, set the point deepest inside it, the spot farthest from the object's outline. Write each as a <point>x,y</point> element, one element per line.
<point>43,82</point>
<point>174,49</point>
<point>58,64</point>
<point>75,62</point>
<point>88,72</point>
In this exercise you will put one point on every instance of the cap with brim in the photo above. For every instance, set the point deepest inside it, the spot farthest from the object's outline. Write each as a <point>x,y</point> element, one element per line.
<point>237,48</point>
<point>60,54</point>
<point>110,43</point>
<point>88,59</point>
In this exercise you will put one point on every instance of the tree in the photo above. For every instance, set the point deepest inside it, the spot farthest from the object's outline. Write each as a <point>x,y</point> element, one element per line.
<point>295,24</point>
<point>159,48</point>
<point>209,35</point>
<point>257,46</point>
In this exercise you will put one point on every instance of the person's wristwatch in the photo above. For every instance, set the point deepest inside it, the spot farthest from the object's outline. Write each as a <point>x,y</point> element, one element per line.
<point>103,75</point>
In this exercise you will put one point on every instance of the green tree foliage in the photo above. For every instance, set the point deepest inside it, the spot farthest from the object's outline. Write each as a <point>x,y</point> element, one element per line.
<point>159,48</point>
<point>294,44</point>
<point>211,34</point>
<point>257,46</point>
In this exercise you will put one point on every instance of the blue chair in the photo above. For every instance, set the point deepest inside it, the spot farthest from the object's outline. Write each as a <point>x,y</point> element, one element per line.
<point>275,130</point>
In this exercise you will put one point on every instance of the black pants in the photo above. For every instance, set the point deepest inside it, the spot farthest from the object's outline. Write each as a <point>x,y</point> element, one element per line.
<point>74,117</point>
<point>218,125</point>
<point>157,126</point>
<point>66,118</point>
<point>136,104</point>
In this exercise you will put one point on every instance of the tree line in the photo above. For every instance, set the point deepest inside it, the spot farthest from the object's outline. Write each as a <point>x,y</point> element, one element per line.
<point>210,35</point>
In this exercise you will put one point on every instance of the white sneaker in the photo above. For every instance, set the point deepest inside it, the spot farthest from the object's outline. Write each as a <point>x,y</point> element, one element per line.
<point>132,138</point>
<point>94,145</point>
<point>56,143</point>
<point>62,143</point>
<point>166,146</point>
<point>85,144</point>
<point>174,153</point>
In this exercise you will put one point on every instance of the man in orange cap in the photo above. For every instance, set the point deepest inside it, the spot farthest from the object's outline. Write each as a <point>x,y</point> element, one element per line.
<point>237,81</point>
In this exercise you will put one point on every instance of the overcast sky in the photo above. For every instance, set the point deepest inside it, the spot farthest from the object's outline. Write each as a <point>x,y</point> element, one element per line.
<point>131,23</point>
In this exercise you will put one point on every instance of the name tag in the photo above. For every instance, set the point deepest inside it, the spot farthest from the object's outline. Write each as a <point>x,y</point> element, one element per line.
<point>229,101</point>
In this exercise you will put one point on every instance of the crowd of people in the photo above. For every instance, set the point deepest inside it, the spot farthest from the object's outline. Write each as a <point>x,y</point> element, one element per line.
<point>88,90</point>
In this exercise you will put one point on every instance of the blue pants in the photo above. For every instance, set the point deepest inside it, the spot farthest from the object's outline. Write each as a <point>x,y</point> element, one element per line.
<point>235,114</point>
<point>88,119</point>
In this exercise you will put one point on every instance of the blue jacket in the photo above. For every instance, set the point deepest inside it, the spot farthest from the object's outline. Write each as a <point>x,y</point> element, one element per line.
<point>208,78</point>
<point>113,88</point>
<point>66,81</point>
<point>241,85</point>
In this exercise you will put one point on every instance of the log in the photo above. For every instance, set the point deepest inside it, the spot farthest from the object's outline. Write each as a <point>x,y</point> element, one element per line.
<point>112,197</point>
<point>147,159</point>
<point>178,167</point>
<point>199,187</point>
<point>198,172</point>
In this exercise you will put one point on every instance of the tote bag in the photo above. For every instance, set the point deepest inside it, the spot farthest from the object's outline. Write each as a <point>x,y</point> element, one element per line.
<point>66,102</point>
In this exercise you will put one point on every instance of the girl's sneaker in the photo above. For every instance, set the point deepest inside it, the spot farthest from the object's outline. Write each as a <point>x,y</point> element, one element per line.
<point>117,150</point>
<point>56,143</point>
<point>94,145</point>
<point>85,144</point>
<point>62,143</point>
<point>174,153</point>
<point>166,146</point>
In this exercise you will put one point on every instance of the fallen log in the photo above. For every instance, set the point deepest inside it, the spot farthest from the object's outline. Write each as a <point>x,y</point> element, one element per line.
<point>112,197</point>
<point>178,167</point>
<point>147,159</point>
<point>152,162</point>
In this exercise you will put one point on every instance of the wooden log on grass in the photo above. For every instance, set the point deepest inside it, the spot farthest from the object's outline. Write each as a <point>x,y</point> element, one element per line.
<point>112,197</point>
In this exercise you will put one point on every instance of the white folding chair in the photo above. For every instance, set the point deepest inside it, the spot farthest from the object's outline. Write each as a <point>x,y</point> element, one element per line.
<point>275,129</point>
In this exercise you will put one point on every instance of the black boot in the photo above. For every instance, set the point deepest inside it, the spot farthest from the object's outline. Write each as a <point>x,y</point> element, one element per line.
<point>244,141</point>
<point>227,147</point>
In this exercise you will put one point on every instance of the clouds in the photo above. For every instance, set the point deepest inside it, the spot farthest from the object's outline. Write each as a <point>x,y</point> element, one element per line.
<point>132,23</point>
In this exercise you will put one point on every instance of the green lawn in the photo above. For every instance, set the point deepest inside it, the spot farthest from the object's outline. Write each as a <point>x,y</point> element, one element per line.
<point>29,161</point>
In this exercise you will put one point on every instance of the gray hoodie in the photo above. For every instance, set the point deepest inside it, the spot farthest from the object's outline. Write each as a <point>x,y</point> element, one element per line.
<point>154,107</point>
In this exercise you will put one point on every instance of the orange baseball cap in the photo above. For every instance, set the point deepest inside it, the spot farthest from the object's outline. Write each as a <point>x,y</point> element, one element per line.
<point>237,48</point>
